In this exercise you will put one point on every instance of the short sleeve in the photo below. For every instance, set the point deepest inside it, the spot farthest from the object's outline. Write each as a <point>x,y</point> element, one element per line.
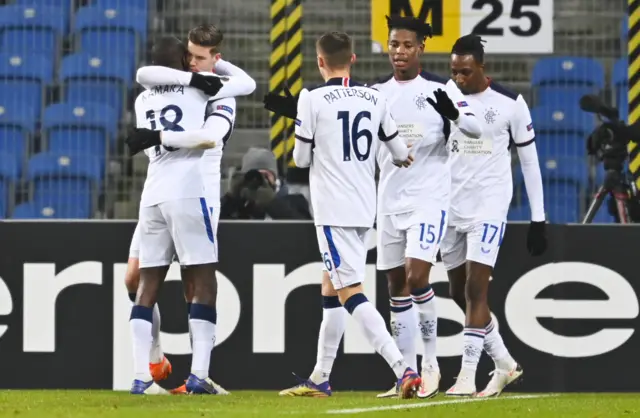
<point>521,124</point>
<point>305,119</point>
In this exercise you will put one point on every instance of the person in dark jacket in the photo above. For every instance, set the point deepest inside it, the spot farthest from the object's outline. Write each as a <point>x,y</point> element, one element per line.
<point>257,192</point>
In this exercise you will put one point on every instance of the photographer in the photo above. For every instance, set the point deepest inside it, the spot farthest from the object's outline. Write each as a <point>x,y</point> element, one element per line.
<point>257,192</point>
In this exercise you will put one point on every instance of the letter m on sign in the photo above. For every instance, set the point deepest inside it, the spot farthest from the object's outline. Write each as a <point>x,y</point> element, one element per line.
<point>432,8</point>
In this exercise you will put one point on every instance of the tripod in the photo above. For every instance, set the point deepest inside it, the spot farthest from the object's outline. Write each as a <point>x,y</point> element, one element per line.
<point>615,187</point>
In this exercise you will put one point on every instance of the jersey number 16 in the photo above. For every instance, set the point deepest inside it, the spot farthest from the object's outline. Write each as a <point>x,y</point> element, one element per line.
<point>351,133</point>
<point>167,125</point>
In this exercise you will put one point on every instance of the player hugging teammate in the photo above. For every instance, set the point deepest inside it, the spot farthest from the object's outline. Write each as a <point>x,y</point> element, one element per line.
<point>454,199</point>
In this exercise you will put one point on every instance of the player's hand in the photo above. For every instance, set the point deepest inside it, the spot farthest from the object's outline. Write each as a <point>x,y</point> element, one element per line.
<point>444,105</point>
<point>286,105</point>
<point>537,238</point>
<point>405,163</point>
<point>208,84</point>
<point>141,139</point>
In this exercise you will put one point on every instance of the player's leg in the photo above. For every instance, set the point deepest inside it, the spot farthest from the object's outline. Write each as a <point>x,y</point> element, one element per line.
<point>156,251</point>
<point>194,238</point>
<point>483,244</point>
<point>331,332</point>
<point>160,366</point>
<point>344,253</point>
<point>424,236</point>
<point>391,244</point>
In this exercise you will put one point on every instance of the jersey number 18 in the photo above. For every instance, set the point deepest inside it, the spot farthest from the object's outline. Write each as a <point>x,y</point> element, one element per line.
<point>167,125</point>
<point>351,133</point>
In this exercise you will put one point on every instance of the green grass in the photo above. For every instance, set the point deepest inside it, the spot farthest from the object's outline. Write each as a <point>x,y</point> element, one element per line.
<point>72,404</point>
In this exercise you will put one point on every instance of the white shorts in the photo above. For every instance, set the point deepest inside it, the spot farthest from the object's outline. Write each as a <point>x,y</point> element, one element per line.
<point>177,227</point>
<point>479,242</point>
<point>134,249</point>
<point>415,234</point>
<point>344,253</point>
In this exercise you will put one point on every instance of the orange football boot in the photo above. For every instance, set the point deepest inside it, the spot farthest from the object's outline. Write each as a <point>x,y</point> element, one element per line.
<point>160,371</point>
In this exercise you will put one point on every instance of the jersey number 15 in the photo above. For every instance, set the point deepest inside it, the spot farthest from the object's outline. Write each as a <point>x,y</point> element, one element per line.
<point>351,133</point>
<point>167,125</point>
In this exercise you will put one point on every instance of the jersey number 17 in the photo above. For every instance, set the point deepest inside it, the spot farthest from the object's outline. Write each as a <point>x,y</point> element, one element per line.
<point>167,125</point>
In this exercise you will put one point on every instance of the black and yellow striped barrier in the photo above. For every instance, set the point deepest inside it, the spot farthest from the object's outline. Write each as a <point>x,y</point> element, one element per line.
<point>633,40</point>
<point>286,70</point>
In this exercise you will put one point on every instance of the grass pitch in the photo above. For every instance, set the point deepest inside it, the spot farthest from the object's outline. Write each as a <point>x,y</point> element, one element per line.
<point>104,404</point>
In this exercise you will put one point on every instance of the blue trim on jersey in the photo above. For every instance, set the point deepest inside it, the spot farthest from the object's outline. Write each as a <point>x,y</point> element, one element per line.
<point>335,257</point>
<point>385,138</point>
<point>499,88</point>
<point>433,77</point>
<point>337,81</point>
<point>305,140</point>
<point>207,219</point>
<point>442,225</point>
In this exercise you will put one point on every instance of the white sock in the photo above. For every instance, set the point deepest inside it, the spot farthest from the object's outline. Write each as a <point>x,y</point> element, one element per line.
<point>425,302</point>
<point>156,354</point>
<point>202,321</point>
<point>376,332</point>
<point>473,342</point>
<point>494,346</point>
<point>404,327</point>
<point>331,331</point>
<point>140,325</point>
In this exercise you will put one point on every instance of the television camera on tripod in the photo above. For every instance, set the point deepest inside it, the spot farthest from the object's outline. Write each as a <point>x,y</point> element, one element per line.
<point>608,143</point>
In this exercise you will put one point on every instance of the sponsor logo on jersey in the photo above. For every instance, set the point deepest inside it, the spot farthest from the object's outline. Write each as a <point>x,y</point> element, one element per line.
<point>225,108</point>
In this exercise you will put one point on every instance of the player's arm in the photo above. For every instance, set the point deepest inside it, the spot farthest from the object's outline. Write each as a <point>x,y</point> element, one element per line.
<point>217,128</point>
<point>215,86</point>
<point>240,83</point>
<point>524,140</point>
<point>305,131</point>
<point>388,134</point>
<point>466,121</point>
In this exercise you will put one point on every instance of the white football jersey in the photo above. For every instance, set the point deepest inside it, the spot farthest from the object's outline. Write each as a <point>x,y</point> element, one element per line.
<point>482,186</point>
<point>172,173</point>
<point>345,121</point>
<point>403,190</point>
<point>211,160</point>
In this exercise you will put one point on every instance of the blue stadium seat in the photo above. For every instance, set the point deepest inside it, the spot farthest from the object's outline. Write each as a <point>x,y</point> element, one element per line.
<point>17,124</point>
<point>566,79</point>
<point>23,80</point>
<point>91,79</point>
<point>65,182</point>
<point>85,128</point>
<point>552,119</point>
<point>519,213</point>
<point>64,5</point>
<point>139,5</point>
<point>32,28</point>
<point>561,145</point>
<point>4,196</point>
<point>39,210</point>
<point>108,32</point>
<point>620,82</point>
<point>562,202</point>
<point>603,216</point>
<point>9,175</point>
<point>624,33</point>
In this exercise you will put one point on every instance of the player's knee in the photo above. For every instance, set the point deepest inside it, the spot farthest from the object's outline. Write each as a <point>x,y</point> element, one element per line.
<point>397,282</point>
<point>476,290</point>
<point>418,274</point>
<point>327,288</point>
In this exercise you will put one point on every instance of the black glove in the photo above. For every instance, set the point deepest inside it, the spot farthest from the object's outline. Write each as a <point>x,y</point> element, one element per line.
<point>208,84</point>
<point>444,105</point>
<point>142,139</point>
<point>536,238</point>
<point>286,105</point>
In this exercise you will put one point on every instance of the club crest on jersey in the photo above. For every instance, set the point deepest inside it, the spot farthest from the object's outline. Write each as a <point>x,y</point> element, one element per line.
<point>421,101</point>
<point>490,115</point>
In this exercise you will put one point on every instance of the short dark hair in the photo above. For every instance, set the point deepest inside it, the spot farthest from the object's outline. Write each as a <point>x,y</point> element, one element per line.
<point>336,48</point>
<point>470,45</point>
<point>422,29</point>
<point>207,35</point>
<point>169,51</point>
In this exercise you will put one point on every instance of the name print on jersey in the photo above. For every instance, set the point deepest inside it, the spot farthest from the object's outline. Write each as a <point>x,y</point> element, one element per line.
<point>156,90</point>
<point>343,93</point>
